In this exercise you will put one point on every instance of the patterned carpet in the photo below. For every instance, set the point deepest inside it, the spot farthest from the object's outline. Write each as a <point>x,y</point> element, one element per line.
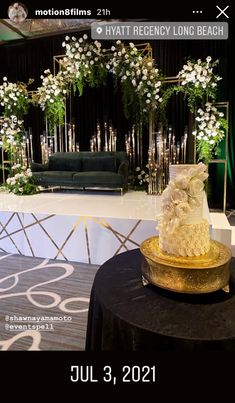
<point>43,303</point>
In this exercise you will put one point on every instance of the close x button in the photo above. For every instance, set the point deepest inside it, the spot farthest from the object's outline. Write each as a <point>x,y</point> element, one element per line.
<point>222,12</point>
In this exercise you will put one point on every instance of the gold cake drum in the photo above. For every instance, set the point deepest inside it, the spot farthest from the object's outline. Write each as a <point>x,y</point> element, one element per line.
<point>191,275</point>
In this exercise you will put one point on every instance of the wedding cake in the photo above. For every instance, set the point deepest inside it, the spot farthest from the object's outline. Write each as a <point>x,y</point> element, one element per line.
<point>182,229</point>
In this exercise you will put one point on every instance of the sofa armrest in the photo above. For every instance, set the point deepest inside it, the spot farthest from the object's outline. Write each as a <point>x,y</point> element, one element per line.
<point>35,167</point>
<point>123,170</point>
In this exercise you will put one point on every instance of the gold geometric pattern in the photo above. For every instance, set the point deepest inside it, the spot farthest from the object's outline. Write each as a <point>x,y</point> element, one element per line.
<point>16,225</point>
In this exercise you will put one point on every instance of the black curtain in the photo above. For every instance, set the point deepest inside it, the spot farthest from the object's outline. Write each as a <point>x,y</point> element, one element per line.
<point>22,60</point>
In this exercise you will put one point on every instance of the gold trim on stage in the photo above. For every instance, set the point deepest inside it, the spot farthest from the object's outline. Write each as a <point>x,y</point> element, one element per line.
<point>192,275</point>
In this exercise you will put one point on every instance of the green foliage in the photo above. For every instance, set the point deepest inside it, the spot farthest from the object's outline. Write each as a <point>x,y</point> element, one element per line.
<point>55,113</point>
<point>93,78</point>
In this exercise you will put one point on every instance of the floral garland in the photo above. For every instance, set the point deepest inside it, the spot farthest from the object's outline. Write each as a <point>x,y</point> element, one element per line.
<point>86,63</point>
<point>22,182</point>
<point>51,97</point>
<point>209,131</point>
<point>182,196</point>
<point>141,81</point>
<point>11,130</point>
<point>14,98</point>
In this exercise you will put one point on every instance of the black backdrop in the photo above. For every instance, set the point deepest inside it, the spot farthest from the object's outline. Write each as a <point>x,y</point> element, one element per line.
<point>26,59</point>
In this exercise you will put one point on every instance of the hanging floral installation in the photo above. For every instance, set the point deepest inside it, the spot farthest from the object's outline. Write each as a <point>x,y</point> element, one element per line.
<point>87,63</point>
<point>140,79</point>
<point>84,63</point>
<point>15,101</point>
<point>51,97</point>
<point>197,81</point>
<point>210,130</point>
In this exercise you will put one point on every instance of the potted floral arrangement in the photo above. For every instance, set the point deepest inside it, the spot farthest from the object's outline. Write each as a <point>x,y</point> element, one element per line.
<point>141,178</point>
<point>21,182</point>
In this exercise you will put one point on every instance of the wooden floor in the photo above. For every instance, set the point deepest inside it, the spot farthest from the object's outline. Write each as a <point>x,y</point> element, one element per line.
<point>43,303</point>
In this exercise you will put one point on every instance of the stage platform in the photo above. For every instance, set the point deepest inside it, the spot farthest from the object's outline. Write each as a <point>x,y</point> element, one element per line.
<point>87,227</point>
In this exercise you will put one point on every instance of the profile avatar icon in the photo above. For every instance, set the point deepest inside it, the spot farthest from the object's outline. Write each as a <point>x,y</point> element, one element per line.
<point>17,12</point>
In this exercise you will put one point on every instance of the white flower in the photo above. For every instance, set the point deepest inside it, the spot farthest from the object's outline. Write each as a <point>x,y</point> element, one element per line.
<point>195,187</point>
<point>182,209</point>
<point>85,37</point>
<point>168,209</point>
<point>179,196</point>
<point>182,181</point>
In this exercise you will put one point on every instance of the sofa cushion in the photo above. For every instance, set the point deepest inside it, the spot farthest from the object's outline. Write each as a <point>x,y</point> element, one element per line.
<point>93,179</point>
<point>106,163</point>
<point>65,162</point>
<point>54,178</point>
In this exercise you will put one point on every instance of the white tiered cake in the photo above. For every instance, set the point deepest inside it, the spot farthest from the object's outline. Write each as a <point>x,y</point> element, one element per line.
<point>182,229</point>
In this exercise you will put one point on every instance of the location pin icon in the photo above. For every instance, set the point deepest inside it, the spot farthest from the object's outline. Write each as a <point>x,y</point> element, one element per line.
<point>99,30</point>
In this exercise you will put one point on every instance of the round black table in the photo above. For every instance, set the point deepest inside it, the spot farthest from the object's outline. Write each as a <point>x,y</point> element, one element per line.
<point>125,315</point>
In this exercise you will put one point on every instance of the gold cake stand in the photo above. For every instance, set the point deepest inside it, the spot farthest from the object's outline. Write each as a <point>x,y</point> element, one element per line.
<point>191,275</point>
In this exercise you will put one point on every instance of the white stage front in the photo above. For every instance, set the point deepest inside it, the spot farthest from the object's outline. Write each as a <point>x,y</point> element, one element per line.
<point>88,227</point>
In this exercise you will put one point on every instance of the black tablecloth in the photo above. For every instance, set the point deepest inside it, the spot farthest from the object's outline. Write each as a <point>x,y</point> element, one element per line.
<point>125,315</point>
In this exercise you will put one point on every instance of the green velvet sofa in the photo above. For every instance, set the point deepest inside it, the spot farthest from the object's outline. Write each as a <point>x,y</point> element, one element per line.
<point>84,170</point>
